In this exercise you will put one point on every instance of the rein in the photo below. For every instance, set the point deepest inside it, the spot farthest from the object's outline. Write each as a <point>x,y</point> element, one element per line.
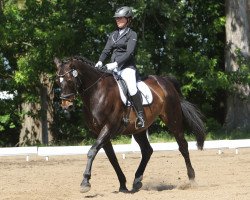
<point>75,75</point>
<point>84,90</point>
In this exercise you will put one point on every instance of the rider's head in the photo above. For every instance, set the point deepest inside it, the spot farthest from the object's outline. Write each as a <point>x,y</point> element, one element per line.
<point>123,16</point>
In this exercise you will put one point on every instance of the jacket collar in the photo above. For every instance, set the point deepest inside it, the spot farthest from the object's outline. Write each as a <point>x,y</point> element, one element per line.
<point>116,35</point>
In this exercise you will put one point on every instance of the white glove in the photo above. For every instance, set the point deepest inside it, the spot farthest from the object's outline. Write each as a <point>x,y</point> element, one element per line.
<point>111,66</point>
<point>98,64</point>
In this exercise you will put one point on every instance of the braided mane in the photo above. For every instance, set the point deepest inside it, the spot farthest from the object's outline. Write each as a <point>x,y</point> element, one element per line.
<point>80,58</point>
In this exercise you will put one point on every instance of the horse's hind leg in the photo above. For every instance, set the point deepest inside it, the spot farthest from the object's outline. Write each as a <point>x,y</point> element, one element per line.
<point>183,148</point>
<point>146,151</point>
<point>108,148</point>
<point>175,125</point>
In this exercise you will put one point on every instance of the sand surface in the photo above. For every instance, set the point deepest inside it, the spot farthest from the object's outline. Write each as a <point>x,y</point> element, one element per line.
<point>223,177</point>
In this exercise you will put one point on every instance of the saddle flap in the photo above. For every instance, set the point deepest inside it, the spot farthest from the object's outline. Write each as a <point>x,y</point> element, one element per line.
<point>147,97</point>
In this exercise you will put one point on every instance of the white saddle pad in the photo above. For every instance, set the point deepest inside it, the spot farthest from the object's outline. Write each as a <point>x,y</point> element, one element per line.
<point>147,96</point>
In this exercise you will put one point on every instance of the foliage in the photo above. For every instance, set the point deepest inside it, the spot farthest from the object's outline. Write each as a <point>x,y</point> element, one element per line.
<point>181,37</point>
<point>242,75</point>
<point>9,105</point>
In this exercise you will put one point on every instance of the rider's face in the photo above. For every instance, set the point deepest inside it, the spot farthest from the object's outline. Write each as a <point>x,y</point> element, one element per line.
<point>121,22</point>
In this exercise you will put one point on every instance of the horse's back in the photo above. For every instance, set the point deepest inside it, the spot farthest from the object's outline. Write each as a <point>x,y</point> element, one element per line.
<point>167,84</point>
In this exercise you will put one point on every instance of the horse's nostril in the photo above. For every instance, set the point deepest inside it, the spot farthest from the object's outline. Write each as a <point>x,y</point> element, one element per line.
<point>71,107</point>
<point>66,113</point>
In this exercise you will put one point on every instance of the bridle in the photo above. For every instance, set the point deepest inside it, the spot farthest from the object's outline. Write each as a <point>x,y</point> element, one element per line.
<point>76,80</point>
<point>75,75</point>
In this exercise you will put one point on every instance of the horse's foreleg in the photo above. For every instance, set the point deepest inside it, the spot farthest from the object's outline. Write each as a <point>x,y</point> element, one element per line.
<point>108,148</point>
<point>85,185</point>
<point>146,151</point>
<point>102,138</point>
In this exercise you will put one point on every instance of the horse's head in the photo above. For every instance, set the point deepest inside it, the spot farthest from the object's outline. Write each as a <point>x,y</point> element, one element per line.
<point>67,80</point>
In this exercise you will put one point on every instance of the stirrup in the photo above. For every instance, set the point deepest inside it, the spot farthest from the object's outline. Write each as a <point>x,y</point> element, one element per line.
<point>140,123</point>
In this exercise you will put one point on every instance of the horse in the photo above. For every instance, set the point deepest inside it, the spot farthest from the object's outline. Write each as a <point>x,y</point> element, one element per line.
<point>104,114</point>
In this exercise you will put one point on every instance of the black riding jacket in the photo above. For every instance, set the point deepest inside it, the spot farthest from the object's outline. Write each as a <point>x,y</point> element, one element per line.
<point>122,48</point>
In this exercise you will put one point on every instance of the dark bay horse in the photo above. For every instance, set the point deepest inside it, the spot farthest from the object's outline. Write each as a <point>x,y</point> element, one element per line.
<point>104,112</point>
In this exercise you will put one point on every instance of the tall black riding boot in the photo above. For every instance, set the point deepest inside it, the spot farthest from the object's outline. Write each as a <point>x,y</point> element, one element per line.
<point>137,102</point>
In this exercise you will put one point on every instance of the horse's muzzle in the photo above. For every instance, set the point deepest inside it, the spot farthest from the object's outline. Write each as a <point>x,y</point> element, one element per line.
<point>67,101</point>
<point>67,105</point>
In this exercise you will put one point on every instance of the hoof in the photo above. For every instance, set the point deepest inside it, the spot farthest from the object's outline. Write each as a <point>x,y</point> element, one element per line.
<point>85,188</point>
<point>137,183</point>
<point>137,186</point>
<point>123,190</point>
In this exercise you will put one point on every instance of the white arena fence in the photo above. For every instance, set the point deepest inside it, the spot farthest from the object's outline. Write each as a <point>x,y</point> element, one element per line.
<point>46,152</point>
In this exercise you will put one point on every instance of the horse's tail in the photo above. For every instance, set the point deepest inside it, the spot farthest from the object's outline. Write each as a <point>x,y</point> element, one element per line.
<point>193,118</point>
<point>192,115</point>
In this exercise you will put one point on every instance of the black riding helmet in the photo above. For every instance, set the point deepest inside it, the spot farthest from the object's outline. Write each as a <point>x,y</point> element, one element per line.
<point>124,11</point>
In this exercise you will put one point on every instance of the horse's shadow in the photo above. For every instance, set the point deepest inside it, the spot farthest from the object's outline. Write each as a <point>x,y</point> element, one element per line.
<point>146,187</point>
<point>163,187</point>
<point>93,196</point>
<point>151,187</point>
<point>158,187</point>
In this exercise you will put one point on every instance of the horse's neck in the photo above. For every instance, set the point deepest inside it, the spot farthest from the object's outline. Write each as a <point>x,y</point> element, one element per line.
<point>89,77</point>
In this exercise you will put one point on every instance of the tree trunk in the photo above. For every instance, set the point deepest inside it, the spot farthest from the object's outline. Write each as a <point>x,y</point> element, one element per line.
<point>38,118</point>
<point>47,111</point>
<point>237,38</point>
<point>30,133</point>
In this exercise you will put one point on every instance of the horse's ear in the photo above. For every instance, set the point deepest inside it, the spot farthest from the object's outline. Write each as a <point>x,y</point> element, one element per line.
<point>57,62</point>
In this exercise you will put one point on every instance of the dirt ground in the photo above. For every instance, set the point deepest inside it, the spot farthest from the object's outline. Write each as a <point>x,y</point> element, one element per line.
<point>223,177</point>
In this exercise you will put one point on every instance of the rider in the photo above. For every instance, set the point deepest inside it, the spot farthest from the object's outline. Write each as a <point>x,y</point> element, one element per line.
<point>121,43</point>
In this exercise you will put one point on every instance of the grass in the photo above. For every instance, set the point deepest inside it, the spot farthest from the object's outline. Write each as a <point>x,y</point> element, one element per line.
<point>222,135</point>
<point>153,138</point>
<point>162,137</point>
<point>166,137</point>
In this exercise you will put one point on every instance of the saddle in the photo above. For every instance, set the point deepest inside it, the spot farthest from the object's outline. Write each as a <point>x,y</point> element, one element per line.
<point>146,94</point>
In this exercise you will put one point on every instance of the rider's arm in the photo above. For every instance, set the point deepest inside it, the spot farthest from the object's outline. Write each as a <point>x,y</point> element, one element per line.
<point>107,49</point>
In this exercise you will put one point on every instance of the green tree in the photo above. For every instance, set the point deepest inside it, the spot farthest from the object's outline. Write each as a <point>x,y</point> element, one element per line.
<point>185,38</point>
<point>48,28</point>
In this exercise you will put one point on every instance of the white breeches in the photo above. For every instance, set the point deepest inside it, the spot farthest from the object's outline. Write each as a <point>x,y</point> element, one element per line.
<point>129,76</point>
